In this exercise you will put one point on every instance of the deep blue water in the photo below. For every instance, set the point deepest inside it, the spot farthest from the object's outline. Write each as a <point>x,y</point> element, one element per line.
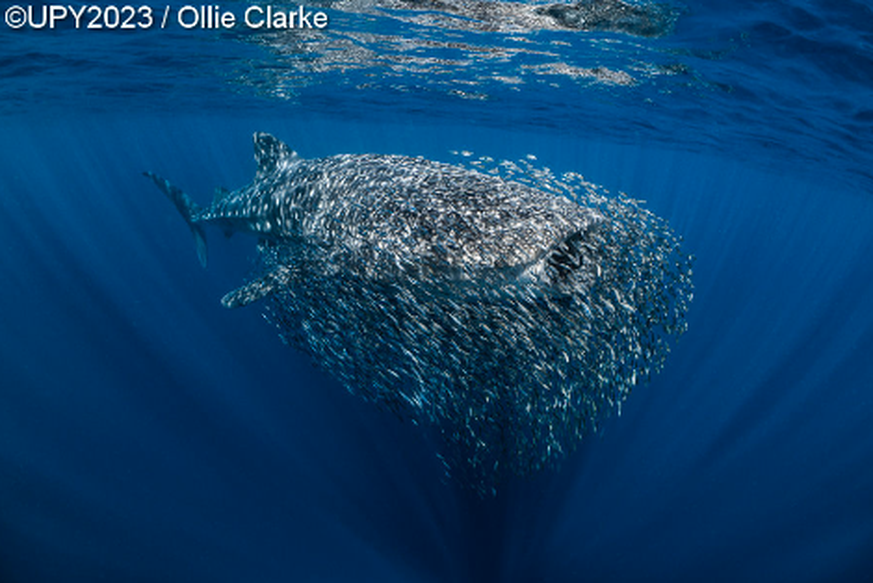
<point>148,434</point>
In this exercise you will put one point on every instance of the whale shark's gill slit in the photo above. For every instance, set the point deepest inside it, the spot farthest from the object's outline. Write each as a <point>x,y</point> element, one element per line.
<point>508,307</point>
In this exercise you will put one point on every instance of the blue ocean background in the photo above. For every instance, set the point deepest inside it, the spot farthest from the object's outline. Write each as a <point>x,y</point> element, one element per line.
<point>148,434</point>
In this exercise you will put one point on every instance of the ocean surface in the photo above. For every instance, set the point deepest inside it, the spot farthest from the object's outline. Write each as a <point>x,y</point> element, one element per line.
<point>149,434</point>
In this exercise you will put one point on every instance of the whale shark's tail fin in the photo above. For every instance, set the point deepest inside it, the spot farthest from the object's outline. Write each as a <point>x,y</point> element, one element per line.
<point>188,209</point>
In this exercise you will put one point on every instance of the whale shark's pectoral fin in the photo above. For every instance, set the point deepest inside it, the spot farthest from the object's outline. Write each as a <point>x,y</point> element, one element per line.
<point>271,152</point>
<point>258,289</point>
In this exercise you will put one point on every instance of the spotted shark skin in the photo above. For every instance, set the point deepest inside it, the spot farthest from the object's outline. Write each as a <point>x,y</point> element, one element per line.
<point>392,216</point>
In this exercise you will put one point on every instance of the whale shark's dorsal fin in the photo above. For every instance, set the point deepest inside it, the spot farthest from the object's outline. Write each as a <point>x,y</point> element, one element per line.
<point>270,152</point>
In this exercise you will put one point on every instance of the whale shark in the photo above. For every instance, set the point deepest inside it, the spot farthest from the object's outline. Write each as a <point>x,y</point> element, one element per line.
<point>511,316</point>
<point>407,215</point>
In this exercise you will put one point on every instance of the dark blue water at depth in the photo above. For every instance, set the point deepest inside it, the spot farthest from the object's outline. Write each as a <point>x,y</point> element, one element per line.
<point>148,434</point>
